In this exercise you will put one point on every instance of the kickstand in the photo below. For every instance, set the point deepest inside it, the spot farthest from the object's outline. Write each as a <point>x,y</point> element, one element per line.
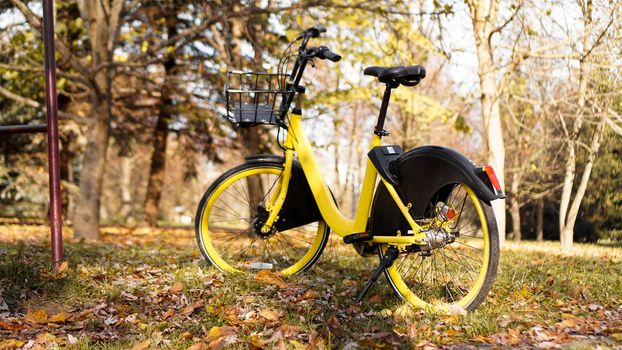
<point>387,260</point>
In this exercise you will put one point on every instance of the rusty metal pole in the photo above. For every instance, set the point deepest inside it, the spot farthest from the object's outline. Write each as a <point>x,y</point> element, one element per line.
<point>51,105</point>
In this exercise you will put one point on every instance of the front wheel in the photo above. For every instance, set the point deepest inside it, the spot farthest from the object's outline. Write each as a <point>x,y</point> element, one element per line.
<point>458,270</point>
<point>229,220</point>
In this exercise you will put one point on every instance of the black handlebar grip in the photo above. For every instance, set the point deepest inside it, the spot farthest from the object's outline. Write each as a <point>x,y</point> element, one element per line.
<point>329,55</point>
<point>324,53</point>
<point>314,32</point>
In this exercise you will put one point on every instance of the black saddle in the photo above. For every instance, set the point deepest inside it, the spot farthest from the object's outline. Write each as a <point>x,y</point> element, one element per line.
<point>404,75</point>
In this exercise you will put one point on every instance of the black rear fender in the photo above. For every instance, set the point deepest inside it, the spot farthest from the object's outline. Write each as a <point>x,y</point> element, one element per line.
<point>426,174</point>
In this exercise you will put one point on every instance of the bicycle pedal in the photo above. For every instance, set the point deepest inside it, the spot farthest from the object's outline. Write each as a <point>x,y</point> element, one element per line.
<point>357,238</point>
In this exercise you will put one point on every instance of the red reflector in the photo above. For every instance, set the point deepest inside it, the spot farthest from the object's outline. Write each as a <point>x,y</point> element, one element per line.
<point>492,177</point>
<point>451,214</point>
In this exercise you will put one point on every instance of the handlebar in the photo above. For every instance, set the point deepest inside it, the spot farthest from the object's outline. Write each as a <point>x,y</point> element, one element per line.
<point>304,56</point>
<point>324,53</point>
<point>314,32</point>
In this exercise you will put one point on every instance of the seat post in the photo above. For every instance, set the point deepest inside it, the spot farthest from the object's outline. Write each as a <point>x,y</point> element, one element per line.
<point>379,129</point>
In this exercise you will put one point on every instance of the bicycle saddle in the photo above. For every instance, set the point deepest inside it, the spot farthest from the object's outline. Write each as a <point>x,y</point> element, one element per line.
<point>405,75</point>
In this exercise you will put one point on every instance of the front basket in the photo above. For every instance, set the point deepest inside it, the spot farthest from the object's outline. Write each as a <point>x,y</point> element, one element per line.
<point>255,98</point>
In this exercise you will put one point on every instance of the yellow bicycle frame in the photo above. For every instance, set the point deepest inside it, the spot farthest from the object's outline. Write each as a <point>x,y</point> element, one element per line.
<point>297,140</point>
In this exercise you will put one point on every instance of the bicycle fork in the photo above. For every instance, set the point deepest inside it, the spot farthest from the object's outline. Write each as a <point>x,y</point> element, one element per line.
<point>278,197</point>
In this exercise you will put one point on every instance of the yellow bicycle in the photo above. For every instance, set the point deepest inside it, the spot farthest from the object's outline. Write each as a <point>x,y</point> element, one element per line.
<point>428,218</point>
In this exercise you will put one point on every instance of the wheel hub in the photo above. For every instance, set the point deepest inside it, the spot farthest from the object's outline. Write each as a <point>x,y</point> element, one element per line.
<point>438,238</point>
<point>259,221</point>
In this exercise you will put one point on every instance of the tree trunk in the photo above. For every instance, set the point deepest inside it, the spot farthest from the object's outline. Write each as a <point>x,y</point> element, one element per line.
<point>126,190</point>
<point>573,212</point>
<point>540,221</point>
<point>101,18</point>
<point>86,223</point>
<point>484,23</point>
<point>515,213</point>
<point>515,204</point>
<point>158,165</point>
<point>567,217</point>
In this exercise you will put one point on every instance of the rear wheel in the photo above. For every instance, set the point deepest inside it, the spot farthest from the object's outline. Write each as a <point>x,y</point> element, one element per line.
<point>229,219</point>
<point>459,269</point>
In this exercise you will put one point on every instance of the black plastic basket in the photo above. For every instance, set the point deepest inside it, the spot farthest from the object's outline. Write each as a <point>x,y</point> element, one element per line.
<point>255,98</point>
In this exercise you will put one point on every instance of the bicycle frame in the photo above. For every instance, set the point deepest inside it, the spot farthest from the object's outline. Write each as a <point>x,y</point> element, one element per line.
<point>297,140</point>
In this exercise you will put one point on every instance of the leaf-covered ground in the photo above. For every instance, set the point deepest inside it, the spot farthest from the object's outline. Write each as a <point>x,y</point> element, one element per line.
<point>151,289</point>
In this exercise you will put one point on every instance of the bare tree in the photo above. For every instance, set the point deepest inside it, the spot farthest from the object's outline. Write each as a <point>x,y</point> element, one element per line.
<point>592,106</point>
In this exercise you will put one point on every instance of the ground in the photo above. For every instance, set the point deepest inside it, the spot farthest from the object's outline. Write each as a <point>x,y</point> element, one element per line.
<point>151,289</point>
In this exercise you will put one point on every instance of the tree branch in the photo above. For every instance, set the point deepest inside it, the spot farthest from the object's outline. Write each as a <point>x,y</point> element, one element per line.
<point>65,51</point>
<point>34,104</point>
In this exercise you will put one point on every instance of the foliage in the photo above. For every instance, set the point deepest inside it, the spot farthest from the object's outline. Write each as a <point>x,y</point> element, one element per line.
<point>603,199</point>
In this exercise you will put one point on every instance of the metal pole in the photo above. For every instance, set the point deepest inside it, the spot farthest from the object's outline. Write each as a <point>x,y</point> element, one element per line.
<point>56,229</point>
<point>22,129</point>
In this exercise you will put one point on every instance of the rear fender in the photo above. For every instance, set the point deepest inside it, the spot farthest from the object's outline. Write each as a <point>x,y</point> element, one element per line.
<point>299,207</point>
<point>423,173</point>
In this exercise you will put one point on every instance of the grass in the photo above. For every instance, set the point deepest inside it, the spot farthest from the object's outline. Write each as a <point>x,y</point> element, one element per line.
<point>117,293</point>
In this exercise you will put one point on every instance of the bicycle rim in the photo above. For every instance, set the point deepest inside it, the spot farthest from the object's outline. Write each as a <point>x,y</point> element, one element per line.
<point>459,273</point>
<point>226,233</point>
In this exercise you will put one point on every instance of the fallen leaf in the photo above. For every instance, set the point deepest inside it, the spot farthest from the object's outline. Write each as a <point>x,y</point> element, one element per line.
<point>142,345</point>
<point>176,287</point>
<point>270,314</point>
<point>11,344</point>
<point>64,266</point>
<point>185,335</point>
<point>219,332</point>
<point>334,326</point>
<point>197,346</point>
<point>129,296</point>
<point>269,277</point>
<point>569,322</point>
<point>287,329</point>
<point>297,345</point>
<point>375,299</point>
<point>72,340</point>
<point>60,317</point>
<point>168,314</point>
<point>456,309</point>
<point>39,316</point>
<point>11,327</point>
<point>451,319</point>
<point>310,294</point>
<point>190,308</point>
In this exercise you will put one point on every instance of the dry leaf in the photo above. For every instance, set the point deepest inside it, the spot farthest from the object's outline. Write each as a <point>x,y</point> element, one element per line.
<point>198,346</point>
<point>269,277</point>
<point>334,326</point>
<point>60,317</point>
<point>219,332</point>
<point>569,322</point>
<point>72,340</point>
<point>64,266</point>
<point>298,345</point>
<point>185,335</point>
<point>190,308</point>
<point>11,327</point>
<point>168,314</point>
<point>270,314</point>
<point>11,344</point>
<point>176,287</point>
<point>39,316</point>
<point>455,309</point>
<point>375,299</point>
<point>142,345</point>
<point>310,294</point>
